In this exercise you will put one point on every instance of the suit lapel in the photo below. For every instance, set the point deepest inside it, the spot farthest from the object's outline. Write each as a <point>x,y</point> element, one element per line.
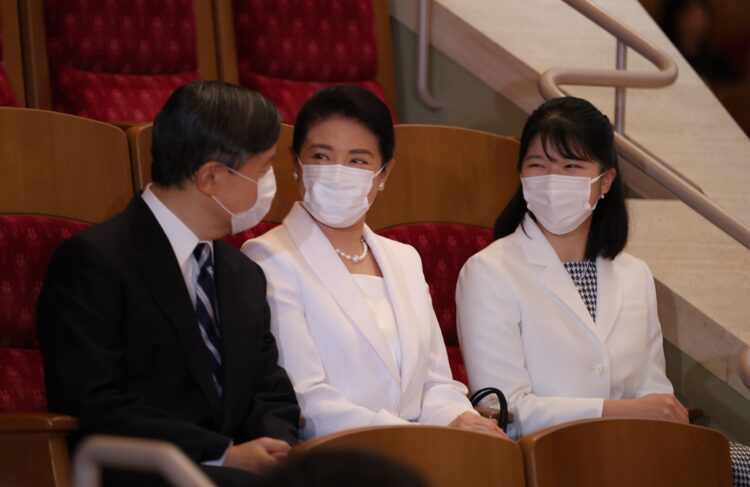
<point>608,295</point>
<point>318,252</point>
<point>552,273</point>
<point>163,278</point>
<point>403,307</point>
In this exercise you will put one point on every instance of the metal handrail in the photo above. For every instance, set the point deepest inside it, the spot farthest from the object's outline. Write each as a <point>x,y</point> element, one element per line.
<point>134,454</point>
<point>423,59</point>
<point>657,170</point>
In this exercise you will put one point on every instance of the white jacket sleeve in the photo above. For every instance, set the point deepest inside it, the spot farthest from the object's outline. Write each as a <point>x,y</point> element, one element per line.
<point>489,330</point>
<point>443,398</point>
<point>324,408</point>
<point>655,377</point>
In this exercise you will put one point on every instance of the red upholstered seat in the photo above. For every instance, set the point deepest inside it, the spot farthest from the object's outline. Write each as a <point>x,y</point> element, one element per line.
<point>26,246</point>
<point>7,99</point>
<point>238,239</point>
<point>289,49</point>
<point>444,248</point>
<point>119,60</point>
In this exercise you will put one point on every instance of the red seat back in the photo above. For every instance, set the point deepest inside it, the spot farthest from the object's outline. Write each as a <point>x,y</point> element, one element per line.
<point>7,99</point>
<point>26,246</point>
<point>119,60</point>
<point>290,49</point>
<point>444,248</point>
<point>238,239</point>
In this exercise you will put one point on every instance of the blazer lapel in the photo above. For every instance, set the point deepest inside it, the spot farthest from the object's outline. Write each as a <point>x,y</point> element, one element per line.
<point>553,274</point>
<point>403,308</point>
<point>164,280</point>
<point>318,252</point>
<point>608,295</point>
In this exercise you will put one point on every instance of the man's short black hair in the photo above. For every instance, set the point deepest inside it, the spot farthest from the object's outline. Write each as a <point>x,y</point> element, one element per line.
<point>210,121</point>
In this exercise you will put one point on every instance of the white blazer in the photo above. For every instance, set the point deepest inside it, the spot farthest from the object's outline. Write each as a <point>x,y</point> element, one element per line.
<point>524,328</point>
<point>337,357</point>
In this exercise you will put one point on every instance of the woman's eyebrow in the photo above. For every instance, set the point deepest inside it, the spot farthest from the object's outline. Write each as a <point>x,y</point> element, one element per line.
<point>321,146</point>
<point>361,151</point>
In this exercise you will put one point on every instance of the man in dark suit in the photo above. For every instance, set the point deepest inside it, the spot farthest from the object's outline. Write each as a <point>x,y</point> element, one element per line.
<point>152,327</point>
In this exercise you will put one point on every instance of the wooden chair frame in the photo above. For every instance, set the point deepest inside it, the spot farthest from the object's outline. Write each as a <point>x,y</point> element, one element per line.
<point>443,456</point>
<point>63,165</point>
<point>620,452</point>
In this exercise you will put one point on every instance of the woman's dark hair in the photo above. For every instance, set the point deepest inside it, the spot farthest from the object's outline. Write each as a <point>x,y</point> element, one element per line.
<point>210,121</point>
<point>349,102</point>
<point>575,129</point>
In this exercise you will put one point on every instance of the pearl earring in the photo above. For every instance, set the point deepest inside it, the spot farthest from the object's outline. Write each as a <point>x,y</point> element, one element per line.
<point>602,196</point>
<point>381,186</point>
<point>295,176</point>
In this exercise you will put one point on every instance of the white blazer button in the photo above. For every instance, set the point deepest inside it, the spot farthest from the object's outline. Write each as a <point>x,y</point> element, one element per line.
<point>599,369</point>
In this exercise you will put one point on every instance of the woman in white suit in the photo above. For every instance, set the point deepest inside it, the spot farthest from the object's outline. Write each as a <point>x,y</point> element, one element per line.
<point>554,313</point>
<point>351,310</point>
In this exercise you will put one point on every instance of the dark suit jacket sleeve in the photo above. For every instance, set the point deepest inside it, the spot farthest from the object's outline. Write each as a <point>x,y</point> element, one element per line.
<point>274,412</point>
<point>81,322</point>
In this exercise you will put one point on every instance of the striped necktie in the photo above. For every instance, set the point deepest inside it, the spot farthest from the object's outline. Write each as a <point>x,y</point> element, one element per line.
<point>205,297</point>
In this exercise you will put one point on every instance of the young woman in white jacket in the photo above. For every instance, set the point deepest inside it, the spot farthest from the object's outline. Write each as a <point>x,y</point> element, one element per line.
<point>350,310</point>
<point>554,312</point>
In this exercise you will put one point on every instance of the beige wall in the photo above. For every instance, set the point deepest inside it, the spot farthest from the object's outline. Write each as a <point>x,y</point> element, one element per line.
<point>468,101</point>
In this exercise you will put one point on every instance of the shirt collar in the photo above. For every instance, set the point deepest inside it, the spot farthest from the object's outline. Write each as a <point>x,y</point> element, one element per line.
<point>181,238</point>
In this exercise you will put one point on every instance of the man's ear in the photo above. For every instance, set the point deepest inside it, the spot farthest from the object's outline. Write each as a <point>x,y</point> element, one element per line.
<point>205,177</point>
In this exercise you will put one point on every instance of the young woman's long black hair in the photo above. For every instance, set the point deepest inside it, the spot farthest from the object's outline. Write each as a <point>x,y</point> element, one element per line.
<point>575,129</point>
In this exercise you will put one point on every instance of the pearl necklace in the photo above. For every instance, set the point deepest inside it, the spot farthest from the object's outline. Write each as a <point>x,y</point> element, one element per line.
<point>354,259</point>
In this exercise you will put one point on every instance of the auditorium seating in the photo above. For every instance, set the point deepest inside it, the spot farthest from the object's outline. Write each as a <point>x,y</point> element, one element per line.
<point>11,66</point>
<point>447,174</point>
<point>289,50</point>
<point>447,188</point>
<point>60,164</point>
<point>33,450</point>
<point>619,452</point>
<point>115,61</point>
<point>445,457</point>
<point>444,248</point>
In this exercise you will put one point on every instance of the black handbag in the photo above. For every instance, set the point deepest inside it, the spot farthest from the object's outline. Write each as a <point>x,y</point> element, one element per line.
<point>502,419</point>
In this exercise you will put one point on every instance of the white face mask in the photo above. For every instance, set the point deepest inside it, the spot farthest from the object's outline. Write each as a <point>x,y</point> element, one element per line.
<point>559,203</point>
<point>246,219</point>
<point>336,195</point>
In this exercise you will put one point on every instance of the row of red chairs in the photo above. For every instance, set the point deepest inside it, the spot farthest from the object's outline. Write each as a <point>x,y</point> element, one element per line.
<point>118,60</point>
<point>28,241</point>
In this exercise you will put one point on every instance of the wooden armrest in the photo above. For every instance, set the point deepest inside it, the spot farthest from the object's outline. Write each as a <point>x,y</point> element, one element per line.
<point>694,414</point>
<point>492,413</point>
<point>37,422</point>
